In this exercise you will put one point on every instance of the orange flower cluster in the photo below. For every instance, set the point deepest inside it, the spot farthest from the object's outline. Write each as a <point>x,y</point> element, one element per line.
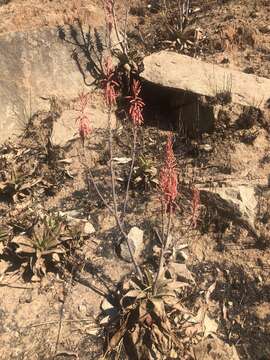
<point>83,119</point>
<point>168,177</point>
<point>136,104</point>
<point>108,83</point>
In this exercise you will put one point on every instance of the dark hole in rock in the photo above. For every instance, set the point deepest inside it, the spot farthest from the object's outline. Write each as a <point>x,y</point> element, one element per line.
<point>182,111</point>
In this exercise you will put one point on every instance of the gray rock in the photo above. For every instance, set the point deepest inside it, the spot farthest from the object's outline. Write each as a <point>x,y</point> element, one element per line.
<point>36,66</point>
<point>135,237</point>
<point>75,217</point>
<point>243,198</point>
<point>65,129</point>
<point>187,74</point>
<point>238,202</point>
<point>89,228</point>
<point>106,221</point>
<point>72,214</point>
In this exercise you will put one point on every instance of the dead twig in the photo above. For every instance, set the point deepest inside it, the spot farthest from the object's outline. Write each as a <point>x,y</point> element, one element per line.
<point>17,286</point>
<point>86,283</point>
<point>66,289</point>
<point>54,322</point>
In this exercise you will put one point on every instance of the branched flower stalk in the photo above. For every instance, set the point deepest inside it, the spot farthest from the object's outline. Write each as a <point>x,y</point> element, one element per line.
<point>136,106</point>
<point>110,85</point>
<point>168,183</point>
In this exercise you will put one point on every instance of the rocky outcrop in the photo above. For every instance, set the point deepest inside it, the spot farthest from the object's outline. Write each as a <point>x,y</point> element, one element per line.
<point>34,66</point>
<point>44,70</point>
<point>187,74</point>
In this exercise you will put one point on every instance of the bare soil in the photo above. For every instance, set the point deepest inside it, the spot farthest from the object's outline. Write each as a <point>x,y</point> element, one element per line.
<point>20,15</point>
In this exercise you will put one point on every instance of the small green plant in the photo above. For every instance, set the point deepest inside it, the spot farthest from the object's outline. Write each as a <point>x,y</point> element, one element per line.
<point>15,186</point>
<point>43,247</point>
<point>176,15</point>
<point>144,173</point>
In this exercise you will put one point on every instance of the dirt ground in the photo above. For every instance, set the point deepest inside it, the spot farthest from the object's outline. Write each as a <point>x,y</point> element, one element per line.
<point>59,316</point>
<point>20,15</point>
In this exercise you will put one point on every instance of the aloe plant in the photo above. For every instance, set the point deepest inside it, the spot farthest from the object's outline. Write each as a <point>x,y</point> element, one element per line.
<point>43,246</point>
<point>145,173</point>
<point>143,324</point>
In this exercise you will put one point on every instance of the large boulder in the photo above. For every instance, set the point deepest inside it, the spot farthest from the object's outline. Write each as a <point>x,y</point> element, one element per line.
<point>44,66</point>
<point>183,73</point>
<point>34,65</point>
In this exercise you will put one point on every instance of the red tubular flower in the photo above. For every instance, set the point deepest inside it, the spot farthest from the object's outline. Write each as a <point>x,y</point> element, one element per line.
<point>195,206</point>
<point>136,104</point>
<point>82,101</point>
<point>108,83</point>
<point>168,177</point>
<point>84,127</point>
<point>83,119</point>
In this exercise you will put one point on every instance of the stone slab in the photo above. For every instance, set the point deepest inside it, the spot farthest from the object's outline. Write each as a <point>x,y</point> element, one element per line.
<point>181,72</point>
